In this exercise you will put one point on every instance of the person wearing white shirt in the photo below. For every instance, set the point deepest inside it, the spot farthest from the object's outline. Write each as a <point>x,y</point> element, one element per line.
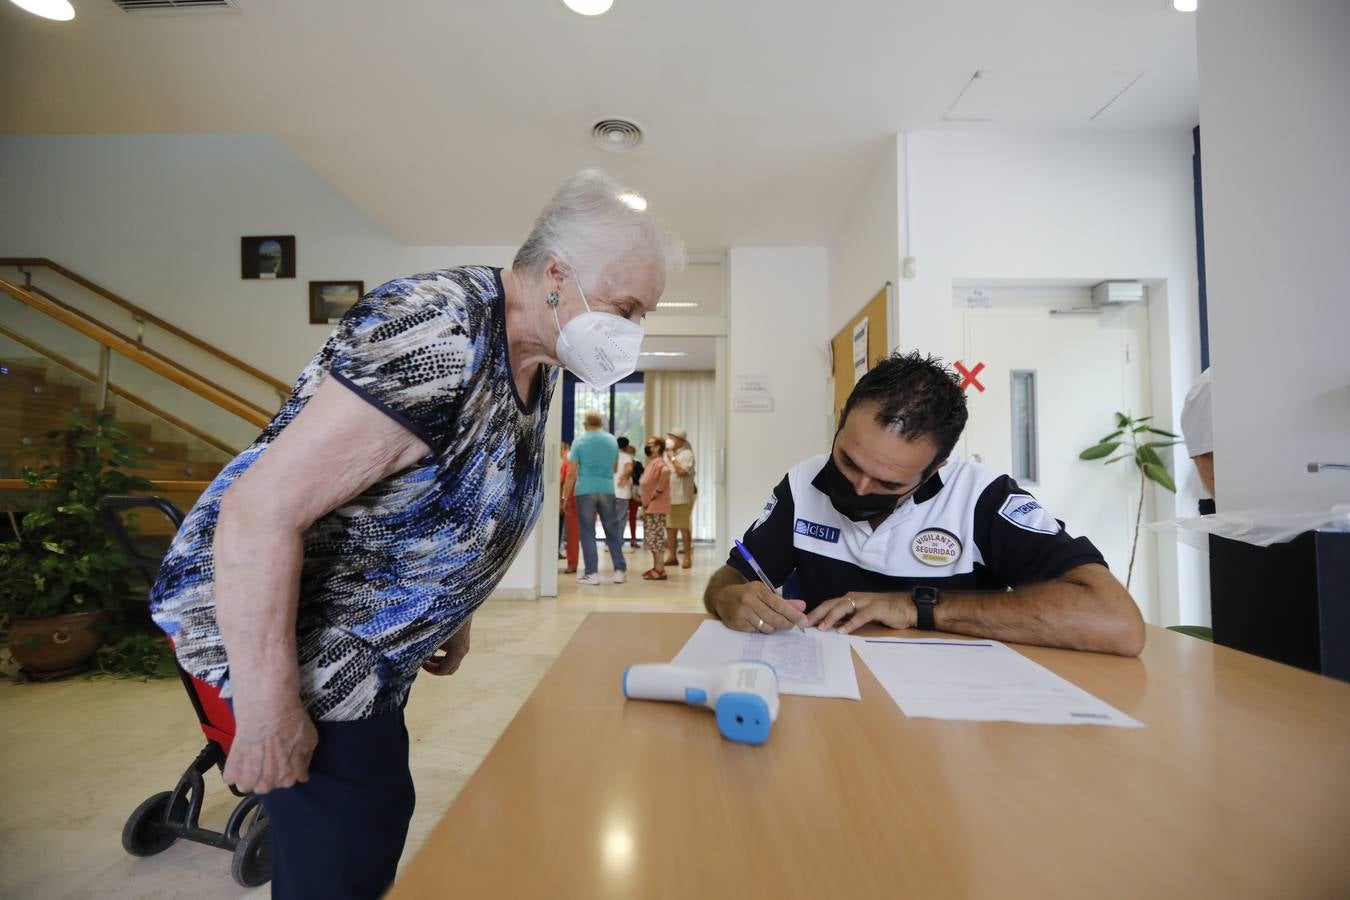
<point>1197,430</point>
<point>680,455</point>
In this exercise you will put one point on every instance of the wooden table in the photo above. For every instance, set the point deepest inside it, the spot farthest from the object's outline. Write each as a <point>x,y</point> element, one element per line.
<point>1238,787</point>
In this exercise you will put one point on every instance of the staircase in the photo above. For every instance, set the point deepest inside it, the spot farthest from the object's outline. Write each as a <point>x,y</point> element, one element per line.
<point>65,347</point>
<point>37,396</point>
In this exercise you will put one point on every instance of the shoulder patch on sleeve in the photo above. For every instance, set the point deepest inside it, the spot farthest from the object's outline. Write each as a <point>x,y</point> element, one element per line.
<point>768,511</point>
<point>1026,513</point>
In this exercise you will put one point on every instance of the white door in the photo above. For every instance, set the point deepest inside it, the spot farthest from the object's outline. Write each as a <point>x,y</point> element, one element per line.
<point>1051,387</point>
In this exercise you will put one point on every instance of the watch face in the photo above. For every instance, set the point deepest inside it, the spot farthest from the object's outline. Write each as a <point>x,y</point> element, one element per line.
<point>928,596</point>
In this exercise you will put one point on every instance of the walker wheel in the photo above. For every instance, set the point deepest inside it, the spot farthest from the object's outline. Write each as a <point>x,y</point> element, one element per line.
<point>252,862</point>
<point>145,833</point>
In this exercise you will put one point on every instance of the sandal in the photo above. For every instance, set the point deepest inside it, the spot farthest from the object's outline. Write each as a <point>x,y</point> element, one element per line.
<point>654,575</point>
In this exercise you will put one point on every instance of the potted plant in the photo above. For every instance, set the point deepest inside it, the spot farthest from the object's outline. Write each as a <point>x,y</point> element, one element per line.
<point>1133,435</point>
<point>62,574</point>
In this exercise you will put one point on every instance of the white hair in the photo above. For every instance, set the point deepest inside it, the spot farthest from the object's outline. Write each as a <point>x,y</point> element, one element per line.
<point>591,222</point>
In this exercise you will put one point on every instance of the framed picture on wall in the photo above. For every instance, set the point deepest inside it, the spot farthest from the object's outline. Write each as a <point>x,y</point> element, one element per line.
<point>330,300</point>
<point>269,256</point>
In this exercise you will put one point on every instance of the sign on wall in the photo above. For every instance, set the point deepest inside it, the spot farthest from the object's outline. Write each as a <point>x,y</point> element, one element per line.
<point>754,393</point>
<point>860,366</point>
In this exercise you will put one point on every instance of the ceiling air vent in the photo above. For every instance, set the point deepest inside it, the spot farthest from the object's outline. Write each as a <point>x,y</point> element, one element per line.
<point>616,135</point>
<point>173,5</point>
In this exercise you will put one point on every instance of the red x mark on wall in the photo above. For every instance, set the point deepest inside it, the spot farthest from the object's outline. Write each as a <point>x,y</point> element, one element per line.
<point>968,376</point>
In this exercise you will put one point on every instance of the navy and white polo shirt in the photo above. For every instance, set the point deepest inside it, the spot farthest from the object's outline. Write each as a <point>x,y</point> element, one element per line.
<point>966,528</point>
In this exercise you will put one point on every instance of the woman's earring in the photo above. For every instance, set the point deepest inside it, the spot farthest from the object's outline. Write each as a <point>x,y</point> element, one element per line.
<point>553,297</point>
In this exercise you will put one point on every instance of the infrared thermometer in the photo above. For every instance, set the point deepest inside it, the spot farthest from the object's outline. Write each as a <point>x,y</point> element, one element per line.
<point>743,695</point>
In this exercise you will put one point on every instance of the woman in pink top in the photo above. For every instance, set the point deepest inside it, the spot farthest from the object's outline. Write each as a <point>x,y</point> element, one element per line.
<point>655,487</point>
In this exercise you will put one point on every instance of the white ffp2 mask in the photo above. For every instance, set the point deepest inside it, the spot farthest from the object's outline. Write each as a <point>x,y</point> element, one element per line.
<point>599,348</point>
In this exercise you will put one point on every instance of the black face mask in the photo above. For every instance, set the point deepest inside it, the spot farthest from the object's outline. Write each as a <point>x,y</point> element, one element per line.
<point>849,502</point>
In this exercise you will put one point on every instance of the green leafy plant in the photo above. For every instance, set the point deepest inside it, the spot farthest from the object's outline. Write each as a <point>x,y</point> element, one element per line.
<point>63,560</point>
<point>1132,439</point>
<point>137,654</point>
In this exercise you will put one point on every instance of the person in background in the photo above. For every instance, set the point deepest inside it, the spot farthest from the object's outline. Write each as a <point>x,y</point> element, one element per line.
<point>635,505</point>
<point>655,490</point>
<point>346,549</point>
<point>1197,430</point>
<point>593,462</point>
<point>680,456</point>
<point>624,481</point>
<point>568,526</point>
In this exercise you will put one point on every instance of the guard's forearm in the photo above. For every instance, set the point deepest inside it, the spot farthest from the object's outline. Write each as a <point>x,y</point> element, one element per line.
<point>1066,612</point>
<point>257,585</point>
<point>723,578</point>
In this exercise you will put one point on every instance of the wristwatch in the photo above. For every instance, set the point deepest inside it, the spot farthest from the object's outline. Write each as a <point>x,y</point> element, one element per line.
<point>926,601</point>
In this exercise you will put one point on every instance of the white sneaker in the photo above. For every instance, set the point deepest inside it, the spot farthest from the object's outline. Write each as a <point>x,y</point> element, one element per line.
<point>621,576</point>
<point>593,578</point>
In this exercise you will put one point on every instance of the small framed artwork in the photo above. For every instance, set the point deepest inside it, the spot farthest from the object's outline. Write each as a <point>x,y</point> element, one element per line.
<point>267,257</point>
<point>330,300</point>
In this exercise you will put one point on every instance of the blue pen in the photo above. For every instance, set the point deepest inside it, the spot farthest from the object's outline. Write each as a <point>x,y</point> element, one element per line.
<point>754,565</point>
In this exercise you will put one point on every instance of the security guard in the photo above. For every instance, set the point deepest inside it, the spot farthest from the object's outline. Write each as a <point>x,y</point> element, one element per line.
<point>886,528</point>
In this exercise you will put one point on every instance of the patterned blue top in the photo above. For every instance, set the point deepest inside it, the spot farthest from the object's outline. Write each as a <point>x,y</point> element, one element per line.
<point>390,575</point>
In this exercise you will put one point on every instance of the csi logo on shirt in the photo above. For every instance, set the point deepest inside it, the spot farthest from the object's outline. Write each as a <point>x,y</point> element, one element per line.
<point>817,531</point>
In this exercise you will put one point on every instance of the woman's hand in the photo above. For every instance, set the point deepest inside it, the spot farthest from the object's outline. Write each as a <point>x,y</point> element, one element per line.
<point>452,652</point>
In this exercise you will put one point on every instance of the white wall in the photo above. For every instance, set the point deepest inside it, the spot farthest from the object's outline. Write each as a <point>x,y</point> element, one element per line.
<point>778,304</point>
<point>864,255</point>
<point>1274,126</point>
<point>1050,207</point>
<point>157,219</point>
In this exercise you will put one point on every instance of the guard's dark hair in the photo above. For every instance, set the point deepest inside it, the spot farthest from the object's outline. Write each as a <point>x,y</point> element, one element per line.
<point>916,396</point>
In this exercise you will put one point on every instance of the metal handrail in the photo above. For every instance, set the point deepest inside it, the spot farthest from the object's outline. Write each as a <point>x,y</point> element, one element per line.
<point>117,342</point>
<point>141,316</point>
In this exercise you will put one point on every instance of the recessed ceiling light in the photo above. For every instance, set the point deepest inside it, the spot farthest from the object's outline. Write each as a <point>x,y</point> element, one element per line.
<point>56,10</point>
<point>1184,5</point>
<point>664,353</point>
<point>589,7</point>
<point>677,304</point>
<point>634,201</point>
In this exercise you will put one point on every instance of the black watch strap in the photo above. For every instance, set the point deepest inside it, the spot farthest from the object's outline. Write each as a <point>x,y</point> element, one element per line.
<point>926,601</point>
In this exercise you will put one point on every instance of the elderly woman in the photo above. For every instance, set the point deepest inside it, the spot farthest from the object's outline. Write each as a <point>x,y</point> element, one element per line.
<point>349,546</point>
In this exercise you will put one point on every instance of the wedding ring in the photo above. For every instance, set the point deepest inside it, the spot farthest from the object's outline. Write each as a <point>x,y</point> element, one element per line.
<point>852,604</point>
<point>760,625</point>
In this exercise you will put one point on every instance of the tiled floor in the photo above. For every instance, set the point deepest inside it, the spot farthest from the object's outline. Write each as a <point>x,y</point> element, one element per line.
<point>76,757</point>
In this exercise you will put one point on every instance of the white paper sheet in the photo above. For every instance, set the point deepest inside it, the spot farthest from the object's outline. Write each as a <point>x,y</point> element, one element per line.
<point>983,681</point>
<point>814,664</point>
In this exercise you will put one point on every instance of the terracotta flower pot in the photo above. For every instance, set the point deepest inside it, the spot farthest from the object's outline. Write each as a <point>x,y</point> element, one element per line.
<point>54,646</point>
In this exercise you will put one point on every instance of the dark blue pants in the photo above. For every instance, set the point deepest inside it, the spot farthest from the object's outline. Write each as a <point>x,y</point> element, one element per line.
<point>340,834</point>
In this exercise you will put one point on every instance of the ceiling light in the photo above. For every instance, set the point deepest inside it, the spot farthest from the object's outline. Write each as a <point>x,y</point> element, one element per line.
<point>589,7</point>
<point>664,353</point>
<point>56,10</point>
<point>1184,5</point>
<point>633,201</point>
<point>677,304</point>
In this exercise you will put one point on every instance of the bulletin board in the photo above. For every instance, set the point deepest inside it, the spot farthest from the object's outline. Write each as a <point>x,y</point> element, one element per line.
<point>876,313</point>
